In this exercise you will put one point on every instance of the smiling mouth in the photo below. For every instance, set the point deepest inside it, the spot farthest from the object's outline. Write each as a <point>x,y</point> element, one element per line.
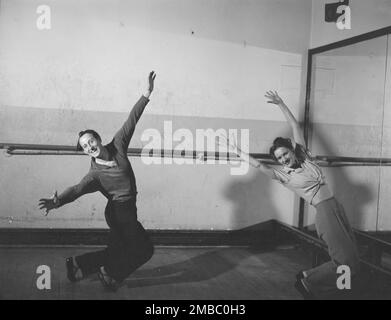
<point>93,151</point>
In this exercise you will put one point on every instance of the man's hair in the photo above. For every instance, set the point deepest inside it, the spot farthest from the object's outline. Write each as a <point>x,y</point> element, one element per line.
<point>81,133</point>
<point>278,143</point>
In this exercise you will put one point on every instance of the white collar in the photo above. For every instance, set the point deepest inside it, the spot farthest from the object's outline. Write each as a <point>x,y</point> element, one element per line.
<point>106,163</point>
<point>289,170</point>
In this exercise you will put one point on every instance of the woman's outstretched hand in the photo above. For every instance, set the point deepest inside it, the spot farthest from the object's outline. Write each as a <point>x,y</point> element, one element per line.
<point>273,97</point>
<point>49,204</point>
<point>230,143</point>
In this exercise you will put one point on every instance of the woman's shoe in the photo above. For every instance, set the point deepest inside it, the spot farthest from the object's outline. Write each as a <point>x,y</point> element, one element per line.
<point>300,275</point>
<point>72,270</point>
<point>307,295</point>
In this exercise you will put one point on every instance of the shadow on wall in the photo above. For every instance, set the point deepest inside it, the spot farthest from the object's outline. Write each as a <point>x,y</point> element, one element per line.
<point>252,196</point>
<point>252,200</point>
<point>352,195</point>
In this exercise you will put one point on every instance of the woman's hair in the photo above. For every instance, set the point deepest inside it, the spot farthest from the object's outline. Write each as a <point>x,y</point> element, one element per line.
<point>278,143</point>
<point>94,134</point>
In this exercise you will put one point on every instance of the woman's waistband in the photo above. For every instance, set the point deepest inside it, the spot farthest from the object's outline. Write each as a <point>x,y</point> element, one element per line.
<point>323,194</point>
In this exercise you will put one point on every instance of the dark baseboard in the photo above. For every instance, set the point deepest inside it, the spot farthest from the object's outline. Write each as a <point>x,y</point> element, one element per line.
<point>256,235</point>
<point>266,233</point>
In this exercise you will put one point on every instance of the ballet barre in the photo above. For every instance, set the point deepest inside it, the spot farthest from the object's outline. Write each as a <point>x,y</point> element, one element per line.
<point>35,149</point>
<point>324,161</point>
<point>333,161</point>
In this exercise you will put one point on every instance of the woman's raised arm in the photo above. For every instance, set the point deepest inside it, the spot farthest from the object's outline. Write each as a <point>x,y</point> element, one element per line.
<point>297,132</point>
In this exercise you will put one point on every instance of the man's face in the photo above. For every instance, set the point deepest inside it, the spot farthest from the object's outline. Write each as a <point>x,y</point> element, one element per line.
<point>285,156</point>
<point>91,146</point>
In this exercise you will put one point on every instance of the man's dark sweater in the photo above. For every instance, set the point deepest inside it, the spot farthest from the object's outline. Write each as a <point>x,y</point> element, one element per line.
<point>116,183</point>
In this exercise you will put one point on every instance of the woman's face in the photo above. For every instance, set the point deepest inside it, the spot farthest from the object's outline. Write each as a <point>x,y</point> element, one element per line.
<point>285,156</point>
<point>91,146</point>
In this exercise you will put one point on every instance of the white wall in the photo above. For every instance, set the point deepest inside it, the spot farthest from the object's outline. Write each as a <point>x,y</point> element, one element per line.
<point>214,62</point>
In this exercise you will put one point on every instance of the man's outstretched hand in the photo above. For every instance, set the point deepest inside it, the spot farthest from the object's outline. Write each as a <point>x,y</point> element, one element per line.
<point>49,203</point>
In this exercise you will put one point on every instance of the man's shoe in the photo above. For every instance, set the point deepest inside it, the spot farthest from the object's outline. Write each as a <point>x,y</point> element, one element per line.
<point>108,282</point>
<point>71,270</point>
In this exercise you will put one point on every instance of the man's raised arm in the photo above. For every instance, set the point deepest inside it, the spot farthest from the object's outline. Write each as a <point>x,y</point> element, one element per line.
<point>123,136</point>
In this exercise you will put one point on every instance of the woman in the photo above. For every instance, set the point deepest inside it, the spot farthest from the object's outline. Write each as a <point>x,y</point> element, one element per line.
<point>303,176</point>
<point>111,173</point>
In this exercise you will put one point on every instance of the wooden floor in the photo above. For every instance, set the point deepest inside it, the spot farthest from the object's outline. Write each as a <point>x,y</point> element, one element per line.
<point>172,273</point>
<point>218,273</point>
